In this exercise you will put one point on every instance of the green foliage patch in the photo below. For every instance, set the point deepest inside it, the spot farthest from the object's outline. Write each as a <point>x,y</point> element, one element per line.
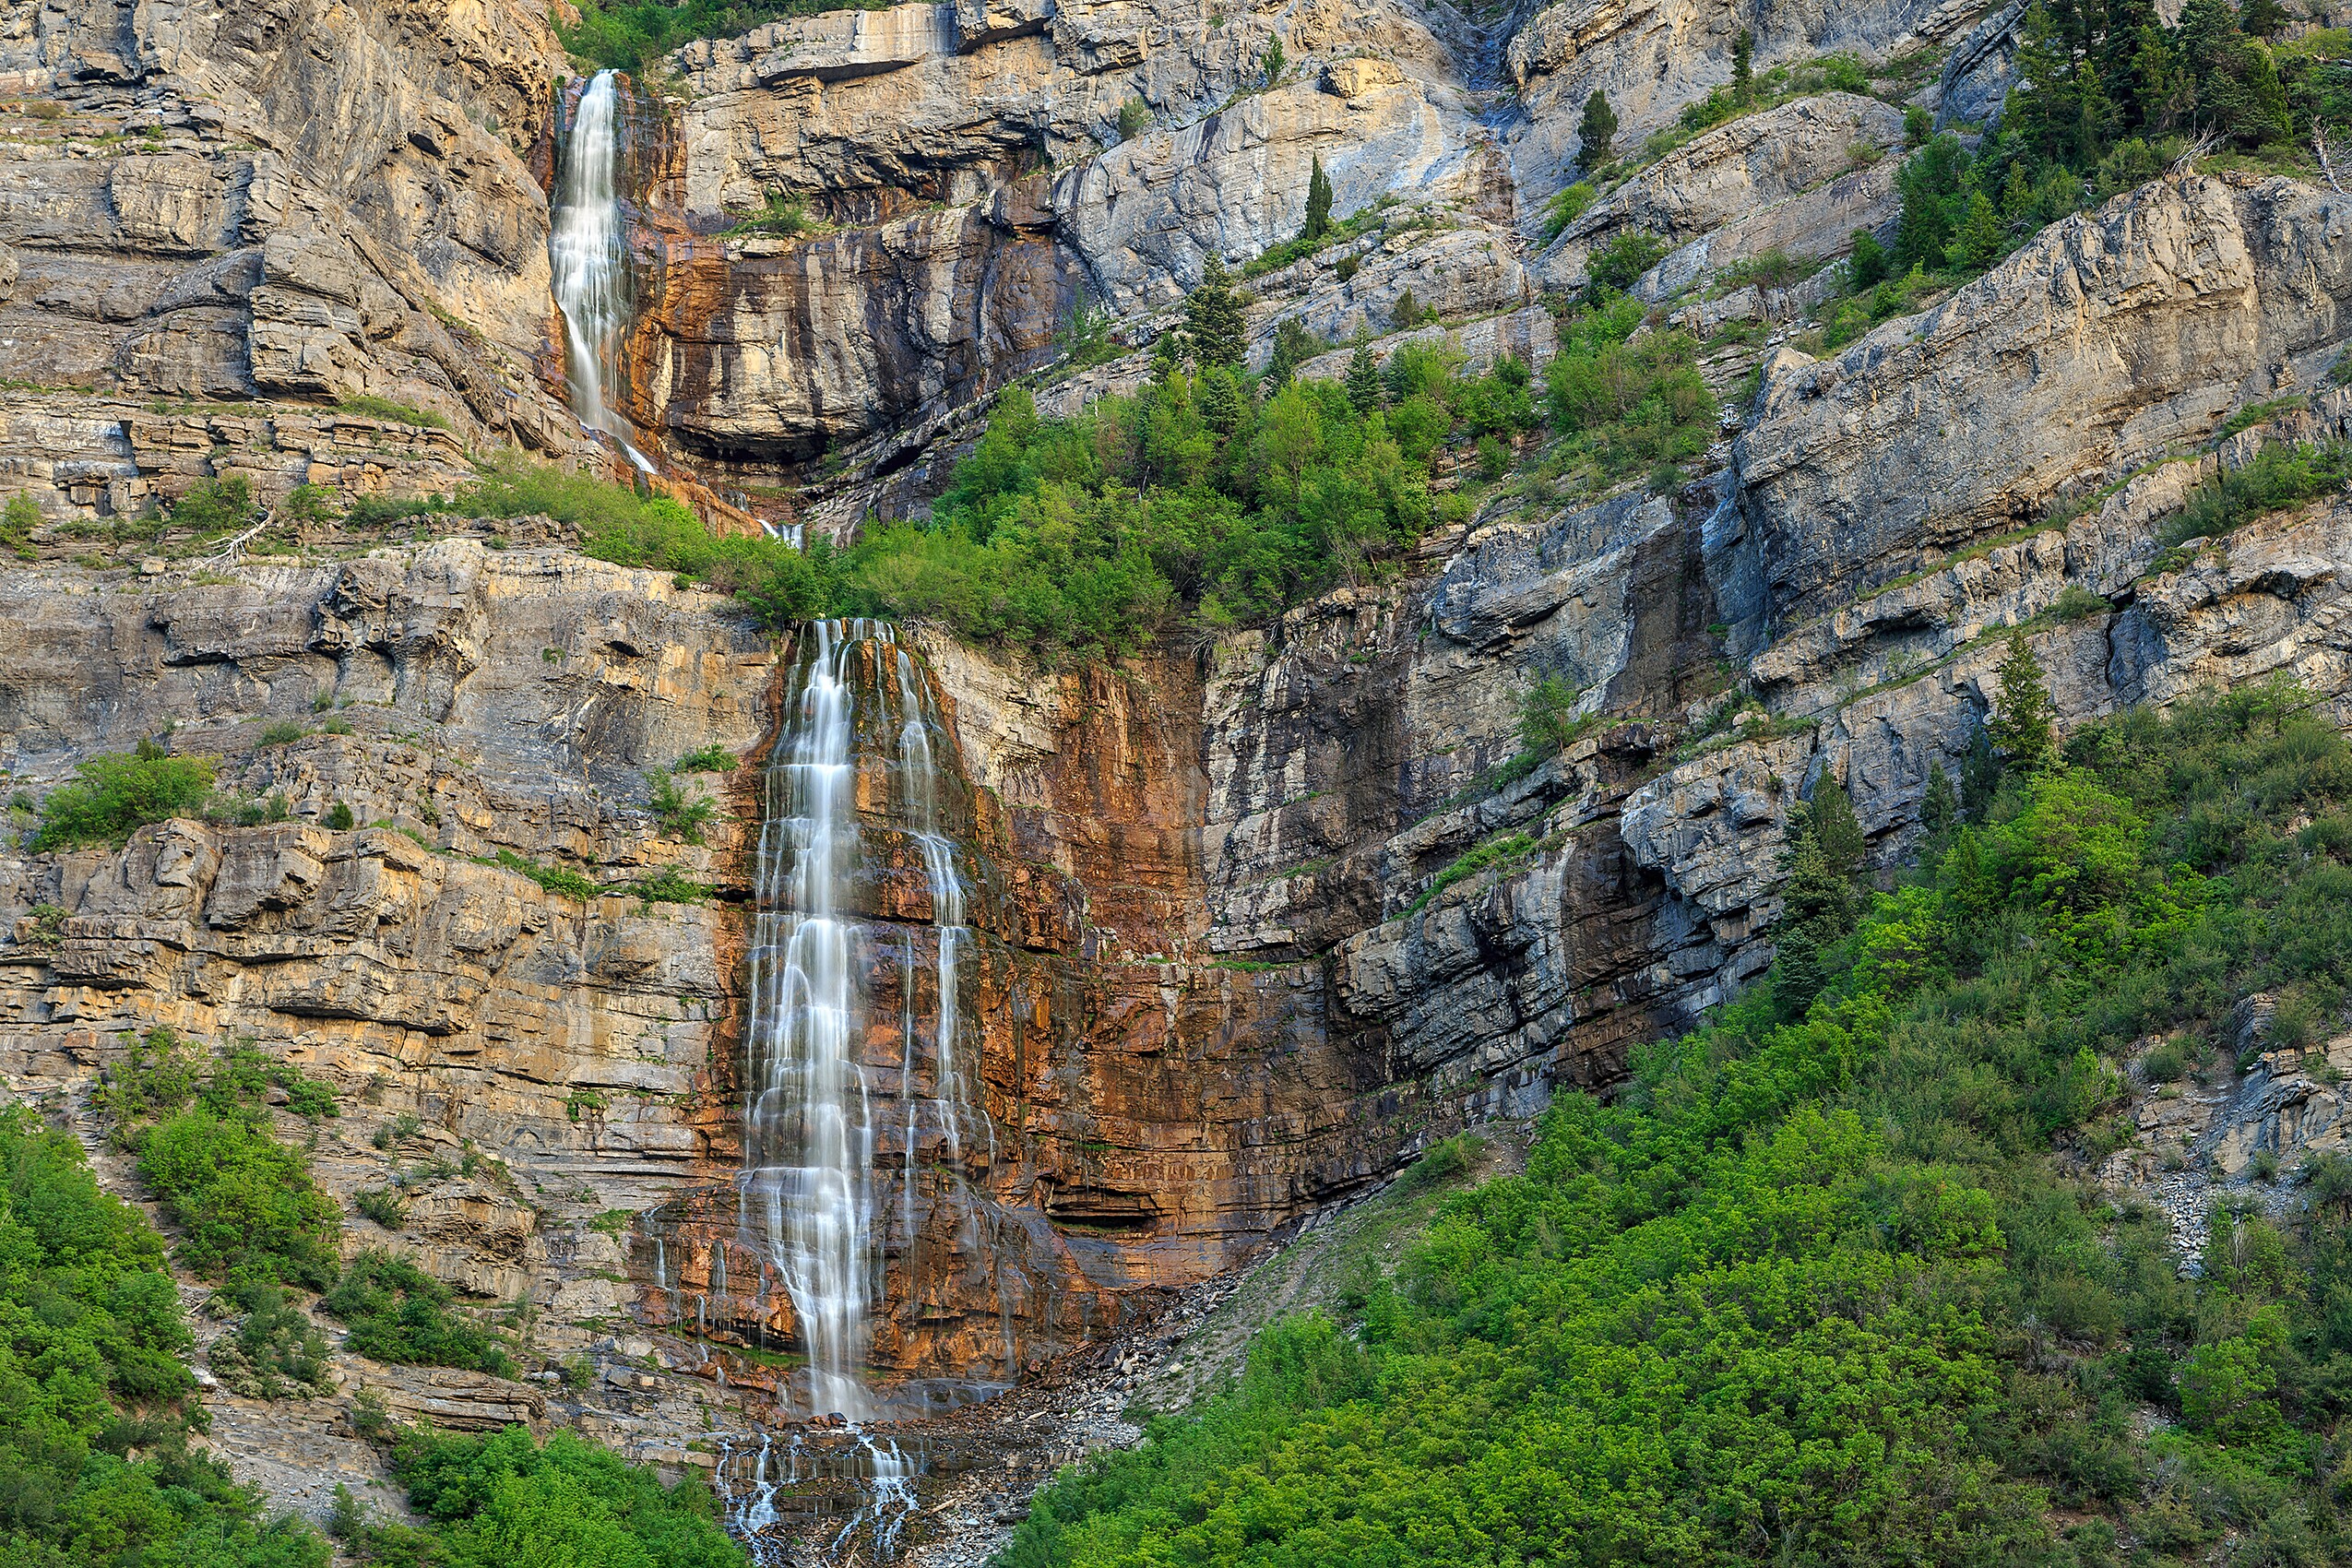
<point>116,795</point>
<point>95,1466</point>
<point>499,1501</point>
<point>1627,406</point>
<point>368,405</point>
<point>398,1312</point>
<point>1822,1283</point>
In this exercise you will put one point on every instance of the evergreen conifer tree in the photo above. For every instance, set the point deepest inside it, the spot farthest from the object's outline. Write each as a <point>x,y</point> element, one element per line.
<point>1363,381</point>
<point>1594,132</point>
<point>1743,67</point>
<point>2262,19</point>
<point>1939,808</point>
<point>1817,896</point>
<point>1221,399</point>
<point>1979,777</point>
<point>1213,319</point>
<point>1979,242</point>
<point>2024,728</point>
<point>1293,346</point>
<point>1318,203</point>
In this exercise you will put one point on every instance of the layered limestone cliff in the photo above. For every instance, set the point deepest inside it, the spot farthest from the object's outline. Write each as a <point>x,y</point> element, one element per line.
<point>286,201</point>
<point>1251,917</point>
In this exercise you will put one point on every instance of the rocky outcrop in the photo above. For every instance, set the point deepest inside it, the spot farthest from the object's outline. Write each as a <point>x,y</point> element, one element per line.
<point>290,200</point>
<point>957,258</point>
<point>1724,191</point>
<point>2115,337</point>
<point>1652,57</point>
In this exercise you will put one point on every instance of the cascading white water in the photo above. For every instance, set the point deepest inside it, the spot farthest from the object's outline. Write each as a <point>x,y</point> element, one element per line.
<point>584,249</point>
<point>808,1142</point>
<point>809,1131</point>
<point>809,1198</point>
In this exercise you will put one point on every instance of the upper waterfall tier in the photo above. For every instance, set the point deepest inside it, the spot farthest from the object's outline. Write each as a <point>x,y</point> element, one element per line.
<point>588,260</point>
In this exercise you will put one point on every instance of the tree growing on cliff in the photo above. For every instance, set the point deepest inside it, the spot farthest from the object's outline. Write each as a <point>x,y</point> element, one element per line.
<point>1595,132</point>
<point>1743,67</point>
<point>1318,204</point>
<point>1212,319</point>
<point>1978,244</point>
<point>2262,19</point>
<point>1274,62</point>
<point>2023,727</point>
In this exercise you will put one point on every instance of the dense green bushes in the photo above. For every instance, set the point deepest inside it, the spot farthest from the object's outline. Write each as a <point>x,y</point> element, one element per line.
<point>1818,1286</point>
<point>95,1468</point>
<point>502,1501</point>
<point>1628,405</point>
<point>117,795</point>
<point>399,1313</point>
<point>2279,475</point>
<point>1199,495</point>
<point>2106,99</point>
<point>245,1204</point>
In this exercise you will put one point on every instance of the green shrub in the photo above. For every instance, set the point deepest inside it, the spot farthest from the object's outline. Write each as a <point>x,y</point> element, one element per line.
<point>381,1204</point>
<point>668,886</point>
<point>2076,602</point>
<point>310,504</point>
<point>781,217</point>
<point>94,1452</point>
<point>504,1499</point>
<point>1548,717</point>
<point>1135,116</point>
<point>214,506</point>
<point>712,758</point>
<point>1507,850</point>
<point>339,817</point>
<point>117,795</point>
<point>400,1314</point>
<point>17,519</point>
<point>244,1203</point>
<point>284,732</point>
<point>555,879</point>
<point>1566,206</point>
<point>1619,264</point>
<point>1094,533</point>
<point>275,1351</point>
<point>2278,476</point>
<point>1628,405</point>
<point>368,406</point>
<point>679,816</point>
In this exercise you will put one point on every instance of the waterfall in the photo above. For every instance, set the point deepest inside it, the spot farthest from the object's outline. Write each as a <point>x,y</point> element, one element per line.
<point>586,255</point>
<point>809,1120</point>
<point>808,1141</point>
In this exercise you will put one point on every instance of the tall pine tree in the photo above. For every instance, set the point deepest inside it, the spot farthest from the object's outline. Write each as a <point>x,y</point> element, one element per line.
<point>2023,727</point>
<point>1318,204</point>
<point>1595,132</point>
<point>1363,381</point>
<point>1212,319</point>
